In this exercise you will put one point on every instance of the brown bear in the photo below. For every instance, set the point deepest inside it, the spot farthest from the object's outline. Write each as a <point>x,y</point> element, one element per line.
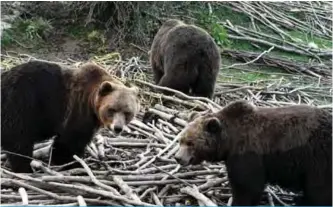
<point>289,146</point>
<point>40,100</point>
<point>185,58</point>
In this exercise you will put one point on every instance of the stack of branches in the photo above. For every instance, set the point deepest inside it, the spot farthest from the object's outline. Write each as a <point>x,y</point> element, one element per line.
<point>271,23</point>
<point>304,16</point>
<point>312,68</point>
<point>317,15</point>
<point>137,167</point>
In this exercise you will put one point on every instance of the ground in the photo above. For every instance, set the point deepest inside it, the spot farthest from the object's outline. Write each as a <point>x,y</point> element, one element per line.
<point>297,70</point>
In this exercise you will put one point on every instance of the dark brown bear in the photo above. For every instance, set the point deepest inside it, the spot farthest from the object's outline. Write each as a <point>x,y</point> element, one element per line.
<point>185,57</point>
<point>40,100</point>
<point>289,146</point>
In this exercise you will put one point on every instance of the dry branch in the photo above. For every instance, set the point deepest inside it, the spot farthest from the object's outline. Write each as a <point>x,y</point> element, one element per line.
<point>199,196</point>
<point>124,187</point>
<point>289,66</point>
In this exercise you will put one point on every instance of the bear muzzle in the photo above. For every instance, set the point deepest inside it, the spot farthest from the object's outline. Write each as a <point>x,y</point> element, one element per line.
<point>117,129</point>
<point>183,156</point>
<point>118,123</point>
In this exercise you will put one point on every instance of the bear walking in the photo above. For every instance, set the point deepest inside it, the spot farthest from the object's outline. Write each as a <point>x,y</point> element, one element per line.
<point>40,100</point>
<point>289,146</point>
<point>185,58</point>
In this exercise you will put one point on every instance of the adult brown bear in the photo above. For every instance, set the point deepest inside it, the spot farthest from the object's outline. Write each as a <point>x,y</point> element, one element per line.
<point>40,100</point>
<point>289,146</point>
<point>185,58</point>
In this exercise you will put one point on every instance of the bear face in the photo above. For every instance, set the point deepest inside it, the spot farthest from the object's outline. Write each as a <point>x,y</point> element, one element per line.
<point>200,140</point>
<point>116,105</point>
<point>206,136</point>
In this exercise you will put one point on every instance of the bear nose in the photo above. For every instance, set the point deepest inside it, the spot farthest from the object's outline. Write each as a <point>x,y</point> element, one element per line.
<point>180,161</point>
<point>118,129</point>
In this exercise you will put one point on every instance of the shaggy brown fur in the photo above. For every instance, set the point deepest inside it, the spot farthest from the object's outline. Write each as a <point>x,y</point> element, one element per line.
<point>40,100</point>
<point>185,58</point>
<point>290,146</point>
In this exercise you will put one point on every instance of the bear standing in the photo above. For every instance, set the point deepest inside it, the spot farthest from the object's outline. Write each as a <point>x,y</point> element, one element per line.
<point>40,100</point>
<point>289,146</point>
<point>185,57</point>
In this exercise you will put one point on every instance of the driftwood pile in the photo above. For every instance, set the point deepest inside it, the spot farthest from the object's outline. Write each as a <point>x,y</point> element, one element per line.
<point>137,167</point>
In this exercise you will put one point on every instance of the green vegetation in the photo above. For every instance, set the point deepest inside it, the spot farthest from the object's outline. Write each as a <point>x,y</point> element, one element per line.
<point>28,32</point>
<point>311,38</point>
<point>209,21</point>
<point>121,23</point>
<point>76,31</point>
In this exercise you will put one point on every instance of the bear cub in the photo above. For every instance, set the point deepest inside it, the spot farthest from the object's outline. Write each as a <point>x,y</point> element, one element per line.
<point>41,100</point>
<point>185,58</point>
<point>289,146</point>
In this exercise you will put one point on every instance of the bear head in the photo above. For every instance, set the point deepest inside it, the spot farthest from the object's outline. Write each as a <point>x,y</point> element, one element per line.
<point>201,139</point>
<point>116,105</point>
<point>207,136</point>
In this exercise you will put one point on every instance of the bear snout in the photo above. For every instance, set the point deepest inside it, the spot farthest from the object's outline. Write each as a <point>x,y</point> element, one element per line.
<point>183,156</point>
<point>118,129</point>
<point>179,160</point>
<point>118,123</point>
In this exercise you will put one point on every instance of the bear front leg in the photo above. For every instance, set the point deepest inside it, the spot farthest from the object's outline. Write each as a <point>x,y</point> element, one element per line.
<point>247,179</point>
<point>241,197</point>
<point>317,193</point>
<point>72,141</point>
<point>20,164</point>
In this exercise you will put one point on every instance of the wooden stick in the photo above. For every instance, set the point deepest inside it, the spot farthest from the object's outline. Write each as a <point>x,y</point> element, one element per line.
<point>194,192</point>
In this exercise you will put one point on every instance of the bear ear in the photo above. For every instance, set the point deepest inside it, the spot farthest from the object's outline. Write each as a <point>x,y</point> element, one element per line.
<point>213,125</point>
<point>128,84</point>
<point>135,89</point>
<point>193,115</point>
<point>238,109</point>
<point>105,88</point>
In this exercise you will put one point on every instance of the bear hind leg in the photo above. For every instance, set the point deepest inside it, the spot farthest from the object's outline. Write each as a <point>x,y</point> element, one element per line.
<point>157,73</point>
<point>204,86</point>
<point>177,82</point>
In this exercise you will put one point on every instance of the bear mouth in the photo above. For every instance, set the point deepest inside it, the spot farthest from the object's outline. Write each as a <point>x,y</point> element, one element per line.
<point>194,161</point>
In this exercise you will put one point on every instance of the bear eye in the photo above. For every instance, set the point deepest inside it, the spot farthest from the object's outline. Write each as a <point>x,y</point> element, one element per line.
<point>127,114</point>
<point>111,111</point>
<point>189,143</point>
